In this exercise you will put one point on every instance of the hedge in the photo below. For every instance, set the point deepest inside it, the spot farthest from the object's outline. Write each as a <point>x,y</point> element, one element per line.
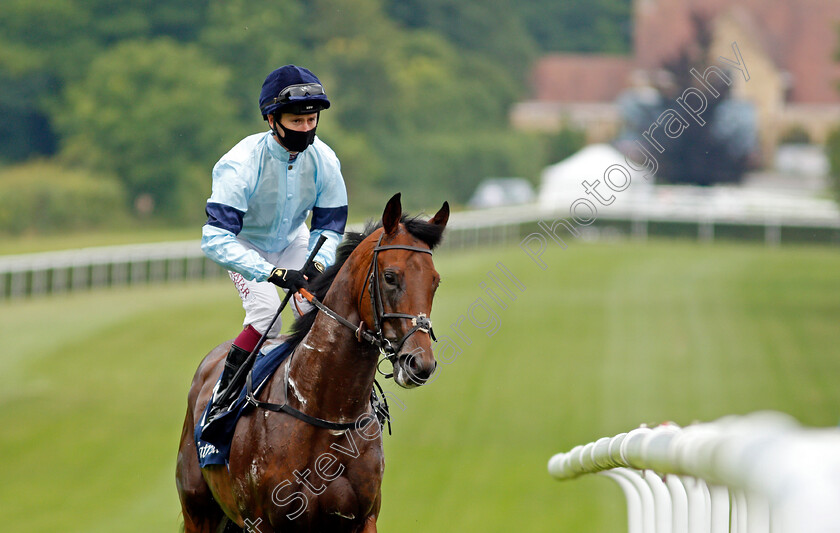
<point>45,197</point>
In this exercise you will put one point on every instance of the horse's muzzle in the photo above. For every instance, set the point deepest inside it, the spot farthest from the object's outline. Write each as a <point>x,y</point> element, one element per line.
<point>414,368</point>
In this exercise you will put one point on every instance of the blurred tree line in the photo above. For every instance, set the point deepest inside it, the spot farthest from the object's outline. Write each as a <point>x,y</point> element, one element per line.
<point>137,99</point>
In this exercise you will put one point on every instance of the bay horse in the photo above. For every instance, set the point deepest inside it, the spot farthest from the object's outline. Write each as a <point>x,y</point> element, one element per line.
<point>300,473</point>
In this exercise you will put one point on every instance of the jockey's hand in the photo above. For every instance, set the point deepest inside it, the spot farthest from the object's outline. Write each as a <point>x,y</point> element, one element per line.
<point>313,270</point>
<point>292,280</point>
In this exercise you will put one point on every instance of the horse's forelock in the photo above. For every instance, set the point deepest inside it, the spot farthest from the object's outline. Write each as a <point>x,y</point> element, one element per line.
<point>429,233</point>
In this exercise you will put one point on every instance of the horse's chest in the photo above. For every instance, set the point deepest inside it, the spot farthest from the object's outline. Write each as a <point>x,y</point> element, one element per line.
<point>349,473</point>
<point>335,486</point>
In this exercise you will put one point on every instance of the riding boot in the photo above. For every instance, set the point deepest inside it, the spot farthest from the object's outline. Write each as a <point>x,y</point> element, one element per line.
<point>227,389</point>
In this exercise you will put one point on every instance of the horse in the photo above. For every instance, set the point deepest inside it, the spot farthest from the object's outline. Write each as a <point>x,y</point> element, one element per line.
<point>317,465</point>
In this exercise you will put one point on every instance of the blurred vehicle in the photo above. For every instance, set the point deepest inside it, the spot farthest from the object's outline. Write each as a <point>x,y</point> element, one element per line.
<point>497,192</point>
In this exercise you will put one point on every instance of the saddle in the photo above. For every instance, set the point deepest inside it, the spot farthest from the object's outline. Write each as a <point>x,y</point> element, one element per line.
<point>213,438</point>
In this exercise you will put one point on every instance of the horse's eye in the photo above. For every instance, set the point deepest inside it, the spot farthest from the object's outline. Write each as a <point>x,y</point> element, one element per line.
<point>390,278</point>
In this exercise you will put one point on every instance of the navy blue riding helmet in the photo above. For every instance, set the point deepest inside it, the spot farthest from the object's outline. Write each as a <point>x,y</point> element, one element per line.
<point>292,89</point>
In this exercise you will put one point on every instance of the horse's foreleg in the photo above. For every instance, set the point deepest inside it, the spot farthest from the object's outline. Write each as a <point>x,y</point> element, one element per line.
<point>370,525</point>
<point>206,524</point>
<point>200,511</point>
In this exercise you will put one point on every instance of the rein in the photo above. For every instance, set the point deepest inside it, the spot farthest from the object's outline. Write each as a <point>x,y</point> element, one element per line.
<point>375,337</point>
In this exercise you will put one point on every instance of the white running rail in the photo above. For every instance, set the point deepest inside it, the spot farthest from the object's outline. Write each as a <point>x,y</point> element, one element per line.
<point>756,473</point>
<point>23,276</point>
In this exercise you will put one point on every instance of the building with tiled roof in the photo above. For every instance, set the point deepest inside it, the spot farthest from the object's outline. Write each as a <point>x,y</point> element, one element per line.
<point>790,49</point>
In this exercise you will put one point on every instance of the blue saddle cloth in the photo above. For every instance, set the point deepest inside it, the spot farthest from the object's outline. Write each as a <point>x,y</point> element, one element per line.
<point>212,441</point>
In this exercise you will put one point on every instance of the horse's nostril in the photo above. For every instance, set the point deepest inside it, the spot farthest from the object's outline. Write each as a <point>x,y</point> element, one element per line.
<point>415,365</point>
<point>419,371</point>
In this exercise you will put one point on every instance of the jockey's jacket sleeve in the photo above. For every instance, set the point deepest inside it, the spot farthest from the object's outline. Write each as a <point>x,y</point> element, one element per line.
<point>232,187</point>
<point>221,246</point>
<point>329,215</point>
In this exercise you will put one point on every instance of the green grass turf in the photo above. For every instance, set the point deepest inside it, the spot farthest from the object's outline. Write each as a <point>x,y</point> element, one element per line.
<point>608,336</point>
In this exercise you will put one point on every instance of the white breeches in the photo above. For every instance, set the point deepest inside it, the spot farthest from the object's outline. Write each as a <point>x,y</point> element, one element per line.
<point>261,299</point>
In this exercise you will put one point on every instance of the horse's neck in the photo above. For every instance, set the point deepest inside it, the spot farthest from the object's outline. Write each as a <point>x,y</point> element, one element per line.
<point>332,373</point>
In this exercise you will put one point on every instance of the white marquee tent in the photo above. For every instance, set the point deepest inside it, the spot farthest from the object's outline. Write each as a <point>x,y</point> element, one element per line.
<point>562,183</point>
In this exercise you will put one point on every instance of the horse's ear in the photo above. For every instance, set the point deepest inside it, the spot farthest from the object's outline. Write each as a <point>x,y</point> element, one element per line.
<point>391,215</point>
<point>442,216</point>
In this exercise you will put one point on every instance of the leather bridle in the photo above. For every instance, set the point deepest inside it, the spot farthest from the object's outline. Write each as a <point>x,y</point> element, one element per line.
<point>389,350</point>
<point>419,322</point>
<point>376,336</point>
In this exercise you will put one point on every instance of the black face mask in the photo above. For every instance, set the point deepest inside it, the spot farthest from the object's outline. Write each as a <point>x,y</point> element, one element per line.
<point>295,141</point>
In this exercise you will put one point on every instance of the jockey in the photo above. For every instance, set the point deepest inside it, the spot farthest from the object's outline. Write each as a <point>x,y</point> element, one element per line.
<point>264,189</point>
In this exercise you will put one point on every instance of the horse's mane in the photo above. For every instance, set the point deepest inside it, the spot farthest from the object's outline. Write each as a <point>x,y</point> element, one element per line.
<point>431,234</point>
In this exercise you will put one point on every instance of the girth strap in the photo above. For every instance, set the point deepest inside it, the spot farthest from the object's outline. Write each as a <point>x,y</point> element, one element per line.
<point>315,421</point>
<point>300,415</point>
